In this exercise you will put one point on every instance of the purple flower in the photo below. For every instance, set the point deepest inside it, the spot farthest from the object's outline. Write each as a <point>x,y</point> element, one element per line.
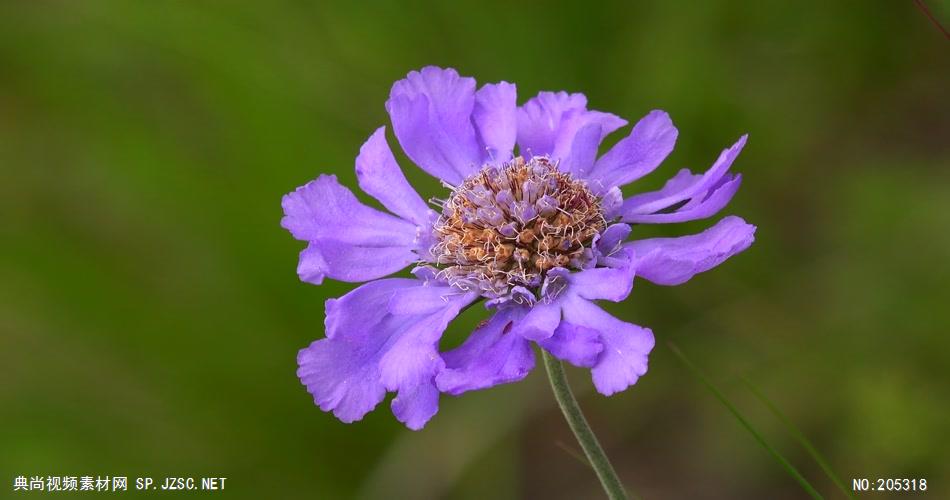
<point>539,235</point>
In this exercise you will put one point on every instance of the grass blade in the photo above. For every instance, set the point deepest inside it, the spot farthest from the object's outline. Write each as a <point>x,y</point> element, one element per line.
<point>800,437</point>
<point>792,471</point>
<point>572,453</point>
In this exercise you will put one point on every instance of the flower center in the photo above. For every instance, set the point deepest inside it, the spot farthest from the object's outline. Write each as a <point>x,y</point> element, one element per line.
<point>507,226</point>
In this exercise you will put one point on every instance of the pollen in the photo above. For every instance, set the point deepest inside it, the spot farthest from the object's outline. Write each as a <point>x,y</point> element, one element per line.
<point>506,226</point>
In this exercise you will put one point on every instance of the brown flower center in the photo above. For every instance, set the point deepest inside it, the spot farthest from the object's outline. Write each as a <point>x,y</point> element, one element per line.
<point>507,225</point>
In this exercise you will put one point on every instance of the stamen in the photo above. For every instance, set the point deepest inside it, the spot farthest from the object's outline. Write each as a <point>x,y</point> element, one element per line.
<point>507,226</point>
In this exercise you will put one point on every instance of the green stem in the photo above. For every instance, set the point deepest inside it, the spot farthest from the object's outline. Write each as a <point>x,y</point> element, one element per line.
<point>792,471</point>
<point>582,431</point>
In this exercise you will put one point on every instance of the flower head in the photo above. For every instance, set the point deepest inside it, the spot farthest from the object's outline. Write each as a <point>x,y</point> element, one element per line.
<point>507,225</point>
<point>539,234</point>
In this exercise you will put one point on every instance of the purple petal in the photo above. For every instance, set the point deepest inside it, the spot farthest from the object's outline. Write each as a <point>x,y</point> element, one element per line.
<point>324,209</point>
<point>697,208</point>
<point>610,202</point>
<point>351,263</point>
<point>706,194</point>
<point>411,359</point>
<point>575,344</point>
<point>539,120</point>
<point>431,113</point>
<point>608,243</point>
<point>496,120</point>
<point>491,355</point>
<point>369,350</point>
<point>683,180</point>
<point>416,405</point>
<point>604,283</point>
<point>342,377</point>
<point>350,374</point>
<point>626,346</point>
<point>709,179</point>
<point>349,241</point>
<point>412,362</point>
<point>583,151</point>
<point>636,155</point>
<point>312,268</point>
<point>363,307</point>
<point>380,177</point>
<point>425,299</point>
<point>671,261</point>
<point>548,123</point>
<point>574,121</point>
<point>540,321</point>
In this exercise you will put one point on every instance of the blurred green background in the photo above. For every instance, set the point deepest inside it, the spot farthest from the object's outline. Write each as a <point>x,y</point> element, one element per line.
<point>150,313</point>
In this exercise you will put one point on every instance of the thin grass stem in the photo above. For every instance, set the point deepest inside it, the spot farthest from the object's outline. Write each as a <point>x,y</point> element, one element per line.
<point>800,437</point>
<point>789,468</point>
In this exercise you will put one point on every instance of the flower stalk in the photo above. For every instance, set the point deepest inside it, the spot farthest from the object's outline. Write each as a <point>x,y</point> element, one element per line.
<point>581,429</point>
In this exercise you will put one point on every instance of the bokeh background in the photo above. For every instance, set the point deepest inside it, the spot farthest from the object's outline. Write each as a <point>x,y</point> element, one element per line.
<point>150,313</point>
